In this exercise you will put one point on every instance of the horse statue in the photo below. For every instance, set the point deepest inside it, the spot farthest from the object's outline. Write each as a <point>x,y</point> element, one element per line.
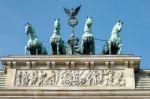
<point>88,44</point>
<point>34,46</point>
<point>57,44</point>
<point>113,45</point>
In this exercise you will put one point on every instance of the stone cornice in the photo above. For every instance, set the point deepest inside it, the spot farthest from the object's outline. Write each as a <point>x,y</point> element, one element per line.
<point>73,61</point>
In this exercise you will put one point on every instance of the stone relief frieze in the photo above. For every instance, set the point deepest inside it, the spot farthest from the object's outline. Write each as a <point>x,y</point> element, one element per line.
<point>64,78</point>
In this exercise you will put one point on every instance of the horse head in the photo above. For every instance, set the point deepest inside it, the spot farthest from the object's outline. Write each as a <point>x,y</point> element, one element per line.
<point>28,28</point>
<point>118,27</point>
<point>56,26</point>
<point>89,21</point>
<point>88,24</point>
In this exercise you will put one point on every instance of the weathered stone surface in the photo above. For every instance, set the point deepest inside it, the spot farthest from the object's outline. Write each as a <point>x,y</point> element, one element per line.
<point>63,80</point>
<point>71,79</point>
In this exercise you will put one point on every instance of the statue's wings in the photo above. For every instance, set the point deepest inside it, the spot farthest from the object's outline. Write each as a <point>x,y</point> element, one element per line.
<point>77,10</point>
<point>67,11</point>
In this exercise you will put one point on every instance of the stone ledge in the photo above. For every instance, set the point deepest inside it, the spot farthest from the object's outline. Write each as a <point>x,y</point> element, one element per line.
<point>72,62</point>
<point>75,97</point>
<point>43,94</point>
<point>20,92</point>
<point>144,71</point>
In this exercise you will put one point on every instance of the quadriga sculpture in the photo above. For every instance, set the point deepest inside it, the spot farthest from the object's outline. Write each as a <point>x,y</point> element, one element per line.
<point>57,44</point>
<point>113,45</point>
<point>34,46</point>
<point>88,44</point>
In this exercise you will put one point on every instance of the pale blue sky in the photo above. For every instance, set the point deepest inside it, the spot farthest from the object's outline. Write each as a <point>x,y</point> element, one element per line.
<point>40,13</point>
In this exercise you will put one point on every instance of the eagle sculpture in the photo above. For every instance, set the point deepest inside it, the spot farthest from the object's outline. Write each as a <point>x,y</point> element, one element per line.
<point>73,12</point>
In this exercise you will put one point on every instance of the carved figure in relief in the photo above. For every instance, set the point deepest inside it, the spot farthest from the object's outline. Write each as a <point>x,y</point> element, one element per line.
<point>92,78</point>
<point>100,78</point>
<point>118,75</point>
<point>19,78</point>
<point>50,79</point>
<point>82,78</point>
<point>75,80</point>
<point>42,78</point>
<point>82,82</point>
<point>67,78</point>
<point>25,78</point>
<point>70,78</point>
<point>108,80</point>
<point>33,78</point>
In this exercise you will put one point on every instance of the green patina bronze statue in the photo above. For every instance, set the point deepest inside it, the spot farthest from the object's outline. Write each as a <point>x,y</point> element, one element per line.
<point>113,45</point>
<point>88,44</point>
<point>57,44</point>
<point>34,46</point>
<point>75,48</point>
<point>72,14</point>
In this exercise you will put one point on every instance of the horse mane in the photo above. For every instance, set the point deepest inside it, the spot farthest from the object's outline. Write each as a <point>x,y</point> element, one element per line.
<point>32,30</point>
<point>87,28</point>
<point>114,29</point>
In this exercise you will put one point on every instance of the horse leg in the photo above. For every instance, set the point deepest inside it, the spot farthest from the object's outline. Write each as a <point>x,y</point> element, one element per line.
<point>93,46</point>
<point>63,49</point>
<point>120,49</point>
<point>37,51</point>
<point>109,45</point>
<point>44,51</point>
<point>25,50</point>
<point>91,49</point>
<point>58,52</point>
